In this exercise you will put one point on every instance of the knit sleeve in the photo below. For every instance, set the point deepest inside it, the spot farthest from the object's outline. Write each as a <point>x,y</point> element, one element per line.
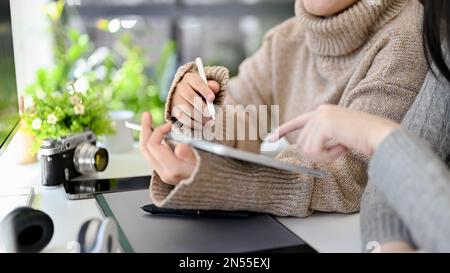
<point>379,222</point>
<point>227,184</point>
<point>416,185</point>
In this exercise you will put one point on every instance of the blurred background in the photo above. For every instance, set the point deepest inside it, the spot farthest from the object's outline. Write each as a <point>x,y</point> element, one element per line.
<point>124,53</point>
<point>223,32</point>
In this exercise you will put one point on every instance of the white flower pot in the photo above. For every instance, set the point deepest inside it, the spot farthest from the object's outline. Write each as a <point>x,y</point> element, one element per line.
<point>122,141</point>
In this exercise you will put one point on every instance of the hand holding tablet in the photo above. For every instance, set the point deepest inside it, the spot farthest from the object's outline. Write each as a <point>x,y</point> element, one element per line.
<point>226,151</point>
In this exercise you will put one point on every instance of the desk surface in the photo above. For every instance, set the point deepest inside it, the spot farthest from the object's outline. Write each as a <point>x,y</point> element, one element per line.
<point>326,232</point>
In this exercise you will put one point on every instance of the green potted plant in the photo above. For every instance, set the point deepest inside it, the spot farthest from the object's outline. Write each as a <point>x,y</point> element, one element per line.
<point>59,104</point>
<point>89,88</point>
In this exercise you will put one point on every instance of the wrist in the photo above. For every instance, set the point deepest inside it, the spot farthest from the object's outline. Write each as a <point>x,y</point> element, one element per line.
<point>382,132</point>
<point>396,246</point>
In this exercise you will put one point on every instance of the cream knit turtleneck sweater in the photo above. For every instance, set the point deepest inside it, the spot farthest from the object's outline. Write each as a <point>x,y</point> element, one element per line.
<point>367,58</point>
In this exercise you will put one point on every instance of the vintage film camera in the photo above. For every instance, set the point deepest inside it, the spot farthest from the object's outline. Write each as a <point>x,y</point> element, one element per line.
<point>67,158</point>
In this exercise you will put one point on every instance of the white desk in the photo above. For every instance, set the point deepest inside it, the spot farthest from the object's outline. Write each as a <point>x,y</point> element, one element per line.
<point>325,232</point>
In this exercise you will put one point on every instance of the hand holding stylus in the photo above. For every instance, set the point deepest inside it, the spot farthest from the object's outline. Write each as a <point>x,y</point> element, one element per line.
<point>189,104</point>
<point>201,72</point>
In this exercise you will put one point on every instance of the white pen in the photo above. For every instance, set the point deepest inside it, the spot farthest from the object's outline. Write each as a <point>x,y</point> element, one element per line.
<point>133,126</point>
<point>170,136</point>
<point>201,71</point>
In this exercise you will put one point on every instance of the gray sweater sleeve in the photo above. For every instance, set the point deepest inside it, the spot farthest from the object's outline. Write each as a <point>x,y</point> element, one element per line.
<point>429,119</point>
<point>379,222</point>
<point>416,184</point>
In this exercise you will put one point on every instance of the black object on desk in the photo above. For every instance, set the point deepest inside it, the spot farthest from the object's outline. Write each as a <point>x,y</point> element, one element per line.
<point>143,232</point>
<point>82,188</point>
<point>152,209</point>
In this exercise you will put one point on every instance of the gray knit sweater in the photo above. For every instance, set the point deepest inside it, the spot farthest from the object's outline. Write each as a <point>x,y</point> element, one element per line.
<point>408,194</point>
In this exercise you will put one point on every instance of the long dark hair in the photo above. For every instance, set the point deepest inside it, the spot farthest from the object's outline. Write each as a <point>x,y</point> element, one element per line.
<point>436,34</point>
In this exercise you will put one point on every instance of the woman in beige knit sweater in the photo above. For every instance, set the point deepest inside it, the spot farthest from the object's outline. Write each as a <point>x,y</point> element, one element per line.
<point>363,55</point>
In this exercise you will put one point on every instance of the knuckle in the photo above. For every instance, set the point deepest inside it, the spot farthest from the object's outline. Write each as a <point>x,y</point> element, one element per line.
<point>183,108</point>
<point>148,146</point>
<point>157,130</point>
<point>180,88</point>
<point>188,76</point>
<point>197,101</point>
<point>163,177</point>
<point>142,147</point>
<point>325,108</point>
<point>197,82</point>
<point>326,111</point>
<point>191,96</point>
<point>171,178</point>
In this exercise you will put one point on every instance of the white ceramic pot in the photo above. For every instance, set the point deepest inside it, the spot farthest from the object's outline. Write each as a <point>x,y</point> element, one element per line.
<point>122,141</point>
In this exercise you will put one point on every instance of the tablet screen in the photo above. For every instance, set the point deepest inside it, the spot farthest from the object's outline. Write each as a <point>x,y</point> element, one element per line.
<point>82,189</point>
<point>223,150</point>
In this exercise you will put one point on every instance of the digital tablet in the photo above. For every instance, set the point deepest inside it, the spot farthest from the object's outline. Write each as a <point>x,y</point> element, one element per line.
<point>223,150</point>
<point>226,151</point>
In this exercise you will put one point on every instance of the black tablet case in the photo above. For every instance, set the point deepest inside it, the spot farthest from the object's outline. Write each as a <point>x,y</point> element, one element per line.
<point>143,232</point>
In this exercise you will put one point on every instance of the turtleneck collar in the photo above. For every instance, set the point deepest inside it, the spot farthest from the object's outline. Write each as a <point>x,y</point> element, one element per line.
<point>349,30</point>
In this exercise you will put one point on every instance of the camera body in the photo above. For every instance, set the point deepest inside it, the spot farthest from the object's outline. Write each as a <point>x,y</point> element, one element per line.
<point>69,157</point>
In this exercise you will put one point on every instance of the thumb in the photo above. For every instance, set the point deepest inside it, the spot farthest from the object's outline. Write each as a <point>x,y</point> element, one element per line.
<point>215,87</point>
<point>185,153</point>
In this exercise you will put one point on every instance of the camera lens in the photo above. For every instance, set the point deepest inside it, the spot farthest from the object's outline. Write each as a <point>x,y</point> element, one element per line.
<point>101,159</point>
<point>89,158</point>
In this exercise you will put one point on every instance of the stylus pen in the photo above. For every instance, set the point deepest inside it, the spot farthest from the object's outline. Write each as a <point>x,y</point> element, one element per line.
<point>152,209</point>
<point>201,72</point>
<point>137,127</point>
<point>133,126</point>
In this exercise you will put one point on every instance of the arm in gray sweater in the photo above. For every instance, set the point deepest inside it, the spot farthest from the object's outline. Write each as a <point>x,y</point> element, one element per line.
<point>428,119</point>
<point>416,184</point>
<point>379,222</point>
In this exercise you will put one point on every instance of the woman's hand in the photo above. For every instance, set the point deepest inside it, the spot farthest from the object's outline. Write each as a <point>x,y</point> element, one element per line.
<point>330,131</point>
<point>188,102</point>
<point>396,247</point>
<point>171,165</point>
